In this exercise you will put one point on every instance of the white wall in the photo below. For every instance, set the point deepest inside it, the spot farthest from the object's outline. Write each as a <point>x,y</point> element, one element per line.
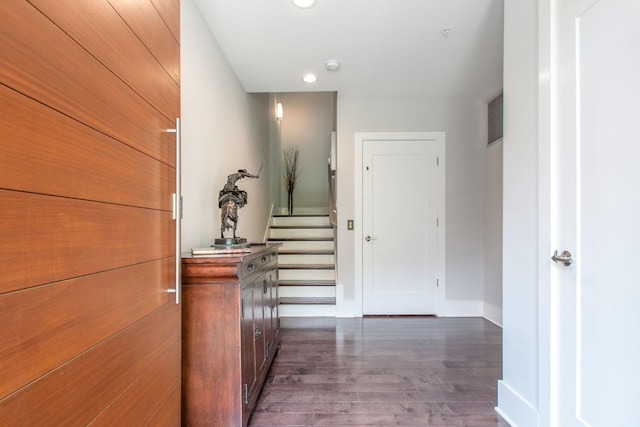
<point>465,141</point>
<point>518,391</point>
<point>307,124</point>
<point>223,129</point>
<point>493,232</point>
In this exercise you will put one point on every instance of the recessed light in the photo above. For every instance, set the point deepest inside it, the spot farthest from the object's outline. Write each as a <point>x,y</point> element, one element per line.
<point>310,78</point>
<point>304,4</point>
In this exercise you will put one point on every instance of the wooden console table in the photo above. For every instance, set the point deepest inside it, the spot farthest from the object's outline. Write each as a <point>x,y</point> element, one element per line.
<point>230,334</point>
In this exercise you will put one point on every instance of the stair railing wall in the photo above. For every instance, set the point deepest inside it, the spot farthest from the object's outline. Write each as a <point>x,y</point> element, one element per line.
<point>333,213</point>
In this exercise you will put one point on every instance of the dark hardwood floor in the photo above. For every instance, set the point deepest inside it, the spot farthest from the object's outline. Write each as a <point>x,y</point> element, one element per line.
<point>383,371</point>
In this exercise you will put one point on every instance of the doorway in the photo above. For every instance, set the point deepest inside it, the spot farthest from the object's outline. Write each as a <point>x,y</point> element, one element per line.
<point>400,246</point>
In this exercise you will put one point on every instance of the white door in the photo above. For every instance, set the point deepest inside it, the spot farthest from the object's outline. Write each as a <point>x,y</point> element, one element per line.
<point>400,226</point>
<point>596,308</point>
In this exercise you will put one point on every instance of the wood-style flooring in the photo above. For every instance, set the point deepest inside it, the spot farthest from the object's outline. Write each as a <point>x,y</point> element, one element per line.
<point>383,371</point>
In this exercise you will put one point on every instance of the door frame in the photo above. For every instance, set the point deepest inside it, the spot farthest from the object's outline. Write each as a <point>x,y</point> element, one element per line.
<point>440,139</point>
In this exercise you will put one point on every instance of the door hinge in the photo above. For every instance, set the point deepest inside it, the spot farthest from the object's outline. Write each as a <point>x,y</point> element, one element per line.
<point>176,206</point>
<point>437,283</point>
<point>246,393</point>
<point>266,350</point>
<point>437,161</point>
<point>242,304</point>
<point>437,222</point>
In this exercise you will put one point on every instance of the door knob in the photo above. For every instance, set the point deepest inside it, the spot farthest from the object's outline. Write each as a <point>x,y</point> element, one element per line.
<point>369,238</point>
<point>565,257</point>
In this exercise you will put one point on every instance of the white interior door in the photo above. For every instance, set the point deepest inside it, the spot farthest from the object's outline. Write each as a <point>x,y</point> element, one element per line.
<point>597,217</point>
<point>400,226</point>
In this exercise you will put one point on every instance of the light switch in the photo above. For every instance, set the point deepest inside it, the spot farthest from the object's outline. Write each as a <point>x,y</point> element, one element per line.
<point>349,224</point>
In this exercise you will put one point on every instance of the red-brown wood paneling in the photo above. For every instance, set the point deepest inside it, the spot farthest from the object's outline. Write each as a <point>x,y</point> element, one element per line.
<point>68,317</point>
<point>169,10</point>
<point>42,61</point>
<point>78,391</point>
<point>144,20</point>
<point>121,52</point>
<point>138,403</point>
<point>88,327</point>
<point>168,415</point>
<point>47,152</point>
<point>48,239</point>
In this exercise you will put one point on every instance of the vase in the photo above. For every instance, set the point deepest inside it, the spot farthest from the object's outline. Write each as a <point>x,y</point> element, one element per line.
<point>290,203</point>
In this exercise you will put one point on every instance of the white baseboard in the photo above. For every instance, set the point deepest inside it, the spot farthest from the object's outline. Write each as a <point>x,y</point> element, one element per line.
<point>461,309</point>
<point>493,314</point>
<point>307,310</point>
<point>346,309</point>
<point>505,417</point>
<point>353,308</point>
<point>515,409</point>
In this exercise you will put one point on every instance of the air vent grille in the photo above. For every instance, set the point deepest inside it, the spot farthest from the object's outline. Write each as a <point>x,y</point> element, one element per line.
<point>494,118</point>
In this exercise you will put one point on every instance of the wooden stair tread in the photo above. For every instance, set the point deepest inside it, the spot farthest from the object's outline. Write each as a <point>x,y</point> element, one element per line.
<point>301,227</point>
<point>306,252</point>
<point>301,278</point>
<point>319,215</point>
<point>307,282</point>
<point>307,300</point>
<point>306,266</point>
<point>300,239</point>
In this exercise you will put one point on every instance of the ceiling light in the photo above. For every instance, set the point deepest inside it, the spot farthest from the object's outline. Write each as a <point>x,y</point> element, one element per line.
<point>332,65</point>
<point>309,78</point>
<point>304,4</point>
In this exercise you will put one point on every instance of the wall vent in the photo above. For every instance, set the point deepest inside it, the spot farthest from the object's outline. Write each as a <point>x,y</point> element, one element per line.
<point>494,119</point>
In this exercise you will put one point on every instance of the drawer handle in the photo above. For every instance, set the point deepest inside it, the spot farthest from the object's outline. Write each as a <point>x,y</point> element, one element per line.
<point>251,267</point>
<point>264,258</point>
<point>257,333</point>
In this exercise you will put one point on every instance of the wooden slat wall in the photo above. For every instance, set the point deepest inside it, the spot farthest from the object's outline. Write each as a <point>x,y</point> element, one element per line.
<point>75,82</point>
<point>89,333</point>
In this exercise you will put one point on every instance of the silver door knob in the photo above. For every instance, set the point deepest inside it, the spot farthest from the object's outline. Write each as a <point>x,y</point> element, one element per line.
<point>565,257</point>
<point>369,238</point>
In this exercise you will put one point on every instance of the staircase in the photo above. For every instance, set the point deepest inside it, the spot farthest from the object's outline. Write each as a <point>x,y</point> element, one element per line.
<point>306,265</point>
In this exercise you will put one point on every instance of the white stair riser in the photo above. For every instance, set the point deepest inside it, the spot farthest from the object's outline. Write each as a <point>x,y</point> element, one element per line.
<point>307,291</point>
<point>300,220</point>
<point>298,245</point>
<point>300,233</point>
<point>306,259</point>
<point>307,310</point>
<point>307,275</point>
<point>302,210</point>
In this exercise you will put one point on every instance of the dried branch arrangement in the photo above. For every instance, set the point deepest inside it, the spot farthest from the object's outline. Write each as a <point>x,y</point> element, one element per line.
<point>290,173</point>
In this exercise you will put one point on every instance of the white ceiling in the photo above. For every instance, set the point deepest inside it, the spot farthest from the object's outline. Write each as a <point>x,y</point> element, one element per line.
<point>388,49</point>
